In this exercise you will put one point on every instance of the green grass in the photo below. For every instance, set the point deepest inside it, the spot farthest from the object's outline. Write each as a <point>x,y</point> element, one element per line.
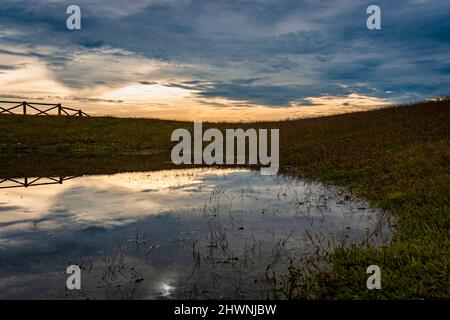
<point>397,158</point>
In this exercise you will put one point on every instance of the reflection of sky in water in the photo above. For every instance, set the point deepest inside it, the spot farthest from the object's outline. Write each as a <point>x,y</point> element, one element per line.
<point>203,233</point>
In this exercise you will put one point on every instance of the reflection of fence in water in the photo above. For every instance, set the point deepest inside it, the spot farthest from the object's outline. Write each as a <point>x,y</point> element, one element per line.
<point>31,108</point>
<point>32,182</point>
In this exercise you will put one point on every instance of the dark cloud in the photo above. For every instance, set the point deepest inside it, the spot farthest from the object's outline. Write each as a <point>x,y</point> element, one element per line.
<point>6,67</point>
<point>295,49</point>
<point>250,91</point>
<point>83,99</point>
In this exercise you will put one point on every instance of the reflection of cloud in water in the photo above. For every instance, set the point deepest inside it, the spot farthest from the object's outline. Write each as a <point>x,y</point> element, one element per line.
<point>105,199</point>
<point>170,221</point>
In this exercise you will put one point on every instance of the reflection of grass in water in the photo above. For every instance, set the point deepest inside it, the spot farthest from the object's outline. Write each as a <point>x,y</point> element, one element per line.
<point>241,272</point>
<point>229,260</point>
<point>300,280</point>
<point>117,279</point>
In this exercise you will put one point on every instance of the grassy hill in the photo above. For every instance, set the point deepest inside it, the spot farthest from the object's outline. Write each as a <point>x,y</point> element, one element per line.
<point>397,158</point>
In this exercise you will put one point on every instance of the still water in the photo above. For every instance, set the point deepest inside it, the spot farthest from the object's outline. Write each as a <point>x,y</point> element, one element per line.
<point>201,233</point>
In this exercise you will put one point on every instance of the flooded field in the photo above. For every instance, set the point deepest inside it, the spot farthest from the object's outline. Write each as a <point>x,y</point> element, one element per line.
<point>198,233</point>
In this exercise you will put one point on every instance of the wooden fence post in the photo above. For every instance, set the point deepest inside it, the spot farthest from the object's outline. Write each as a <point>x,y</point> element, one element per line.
<point>47,107</point>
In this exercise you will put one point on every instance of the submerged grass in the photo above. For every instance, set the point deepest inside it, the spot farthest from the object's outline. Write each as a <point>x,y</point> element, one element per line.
<point>397,158</point>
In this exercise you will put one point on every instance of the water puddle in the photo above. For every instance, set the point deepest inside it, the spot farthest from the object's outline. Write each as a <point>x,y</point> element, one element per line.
<point>201,233</point>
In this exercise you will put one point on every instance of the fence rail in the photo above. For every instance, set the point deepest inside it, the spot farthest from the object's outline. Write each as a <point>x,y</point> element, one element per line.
<point>32,182</point>
<point>36,108</point>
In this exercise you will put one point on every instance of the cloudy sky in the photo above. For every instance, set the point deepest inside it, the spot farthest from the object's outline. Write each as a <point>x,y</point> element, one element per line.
<point>224,60</point>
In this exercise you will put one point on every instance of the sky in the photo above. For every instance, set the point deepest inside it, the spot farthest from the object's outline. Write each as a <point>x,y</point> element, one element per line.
<point>224,60</point>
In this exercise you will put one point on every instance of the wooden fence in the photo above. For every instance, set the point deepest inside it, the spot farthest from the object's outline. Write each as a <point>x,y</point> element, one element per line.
<point>35,108</point>
<point>32,182</point>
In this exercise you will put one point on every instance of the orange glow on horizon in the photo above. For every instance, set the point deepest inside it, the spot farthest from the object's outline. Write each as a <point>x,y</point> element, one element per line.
<point>162,100</point>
